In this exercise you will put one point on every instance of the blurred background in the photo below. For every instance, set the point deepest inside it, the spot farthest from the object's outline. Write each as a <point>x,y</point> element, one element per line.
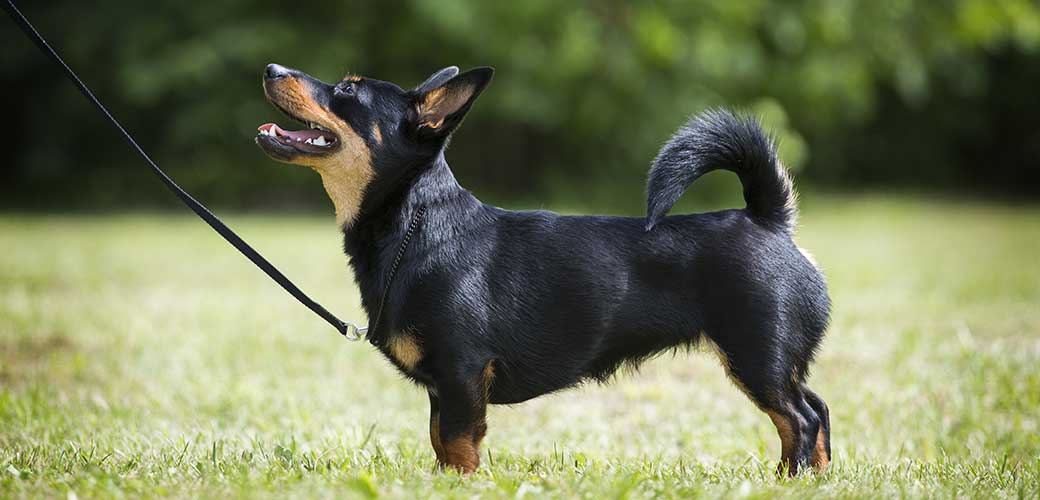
<point>141,356</point>
<point>935,96</point>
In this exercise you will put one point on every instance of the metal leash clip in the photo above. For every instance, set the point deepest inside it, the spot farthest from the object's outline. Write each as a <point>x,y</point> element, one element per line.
<point>352,332</point>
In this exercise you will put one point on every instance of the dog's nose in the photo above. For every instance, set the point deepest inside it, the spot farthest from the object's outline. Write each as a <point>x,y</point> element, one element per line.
<point>275,71</point>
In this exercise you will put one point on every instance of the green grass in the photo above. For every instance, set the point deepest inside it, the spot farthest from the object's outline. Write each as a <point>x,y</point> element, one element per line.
<point>141,356</point>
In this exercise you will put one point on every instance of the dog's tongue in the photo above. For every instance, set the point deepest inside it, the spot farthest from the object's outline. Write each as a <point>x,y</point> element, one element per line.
<point>311,136</point>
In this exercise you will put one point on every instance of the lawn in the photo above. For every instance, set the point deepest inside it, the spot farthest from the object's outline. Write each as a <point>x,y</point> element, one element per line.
<point>141,356</point>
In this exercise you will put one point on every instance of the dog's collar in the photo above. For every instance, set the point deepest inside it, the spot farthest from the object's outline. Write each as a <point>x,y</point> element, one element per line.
<point>370,330</point>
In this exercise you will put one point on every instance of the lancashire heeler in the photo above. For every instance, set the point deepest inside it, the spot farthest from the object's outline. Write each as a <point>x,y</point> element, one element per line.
<point>496,306</point>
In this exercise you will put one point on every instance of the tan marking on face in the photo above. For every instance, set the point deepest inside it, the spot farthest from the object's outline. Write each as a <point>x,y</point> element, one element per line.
<point>404,347</point>
<point>346,172</point>
<point>820,459</point>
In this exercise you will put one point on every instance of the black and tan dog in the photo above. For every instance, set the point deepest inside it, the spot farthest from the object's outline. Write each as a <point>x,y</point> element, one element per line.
<point>496,306</point>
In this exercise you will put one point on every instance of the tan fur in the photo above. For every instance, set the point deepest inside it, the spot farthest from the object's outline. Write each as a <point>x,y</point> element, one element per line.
<point>346,172</point>
<point>787,440</point>
<point>488,377</point>
<point>820,458</point>
<point>435,437</point>
<point>461,454</point>
<point>404,347</point>
<point>438,103</point>
<point>782,423</point>
<point>378,134</point>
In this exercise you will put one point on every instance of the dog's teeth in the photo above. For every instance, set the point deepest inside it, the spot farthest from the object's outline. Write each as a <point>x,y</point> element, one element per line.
<point>309,141</point>
<point>320,141</point>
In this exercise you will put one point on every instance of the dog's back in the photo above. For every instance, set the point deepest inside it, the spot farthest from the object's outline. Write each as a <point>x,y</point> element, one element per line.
<point>576,297</point>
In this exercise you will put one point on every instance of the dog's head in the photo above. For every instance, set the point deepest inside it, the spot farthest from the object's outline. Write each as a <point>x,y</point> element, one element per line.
<point>362,130</point>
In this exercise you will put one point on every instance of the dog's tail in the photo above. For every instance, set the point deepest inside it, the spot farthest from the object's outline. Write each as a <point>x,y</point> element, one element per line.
<point>719,139</point>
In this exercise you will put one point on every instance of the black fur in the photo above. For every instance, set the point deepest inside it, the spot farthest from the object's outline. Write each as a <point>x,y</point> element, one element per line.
<point>548,301</point>
<point>718,139</point>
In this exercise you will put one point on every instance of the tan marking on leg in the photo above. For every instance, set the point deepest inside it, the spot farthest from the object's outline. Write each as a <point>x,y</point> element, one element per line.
<point>820,459</point>
<point>461,454</point>
<point>435,437</point>
<point>346,172</point>
<point>404,347</point>
<point>488,376</point>
<point>788,446</point>
<point>480,429</point>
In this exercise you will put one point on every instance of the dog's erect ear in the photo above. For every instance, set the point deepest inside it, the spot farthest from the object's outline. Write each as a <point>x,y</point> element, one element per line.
<point>437,79</point>
<point>440,108</point>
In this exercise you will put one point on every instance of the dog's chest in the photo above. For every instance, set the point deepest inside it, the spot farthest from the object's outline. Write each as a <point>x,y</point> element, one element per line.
<point>404,349</point>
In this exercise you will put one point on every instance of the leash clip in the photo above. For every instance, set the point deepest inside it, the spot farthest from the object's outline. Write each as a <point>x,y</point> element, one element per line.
<point>354,333</point>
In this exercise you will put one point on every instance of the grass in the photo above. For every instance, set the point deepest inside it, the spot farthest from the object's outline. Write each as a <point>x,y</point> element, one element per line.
<point>141,356</point>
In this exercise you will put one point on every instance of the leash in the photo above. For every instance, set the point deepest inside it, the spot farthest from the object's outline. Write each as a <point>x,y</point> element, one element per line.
<point>349,330</point>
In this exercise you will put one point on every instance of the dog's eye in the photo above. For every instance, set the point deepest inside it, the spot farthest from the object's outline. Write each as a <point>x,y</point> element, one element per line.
<point>345,88</point>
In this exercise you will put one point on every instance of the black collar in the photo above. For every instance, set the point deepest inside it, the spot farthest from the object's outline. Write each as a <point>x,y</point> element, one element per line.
<point>373,327</point>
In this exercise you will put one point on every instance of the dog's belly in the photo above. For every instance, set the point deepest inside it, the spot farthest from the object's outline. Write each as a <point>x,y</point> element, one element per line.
<point>545,368</point>
<point>512,389</point>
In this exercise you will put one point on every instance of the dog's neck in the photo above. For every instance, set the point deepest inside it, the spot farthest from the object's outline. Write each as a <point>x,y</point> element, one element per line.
<point>375,235</point>
<point>345,187</point>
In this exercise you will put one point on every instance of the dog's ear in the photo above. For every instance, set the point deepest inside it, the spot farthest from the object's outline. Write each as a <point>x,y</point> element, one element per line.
<point>437,79</point>
<point>439,108</point>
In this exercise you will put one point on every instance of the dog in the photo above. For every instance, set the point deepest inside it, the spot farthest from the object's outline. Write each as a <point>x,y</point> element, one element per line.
<point>480,305</point>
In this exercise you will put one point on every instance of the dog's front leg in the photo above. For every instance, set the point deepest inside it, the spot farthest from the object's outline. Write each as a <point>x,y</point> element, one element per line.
<point>461,402</point>
<point>435,428</point>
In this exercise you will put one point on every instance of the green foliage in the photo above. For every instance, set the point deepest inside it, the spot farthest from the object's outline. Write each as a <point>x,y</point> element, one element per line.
<point>142,357</point>
<point>585,91</point>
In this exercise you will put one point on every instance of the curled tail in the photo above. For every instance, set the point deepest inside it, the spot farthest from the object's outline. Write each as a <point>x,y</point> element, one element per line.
<point>719,139</point>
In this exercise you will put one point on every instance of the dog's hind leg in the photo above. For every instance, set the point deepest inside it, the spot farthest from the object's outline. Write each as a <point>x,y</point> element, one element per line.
<point>768,381</point>
<point>822,452</point>
<point>462,405</point>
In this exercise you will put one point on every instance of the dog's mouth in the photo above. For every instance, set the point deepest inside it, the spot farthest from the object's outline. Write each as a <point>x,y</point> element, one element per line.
<point>316,139</point>
<point>285,144</point>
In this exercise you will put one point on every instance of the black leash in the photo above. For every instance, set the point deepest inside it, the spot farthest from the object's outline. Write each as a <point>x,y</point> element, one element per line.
<point>348,329</point>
